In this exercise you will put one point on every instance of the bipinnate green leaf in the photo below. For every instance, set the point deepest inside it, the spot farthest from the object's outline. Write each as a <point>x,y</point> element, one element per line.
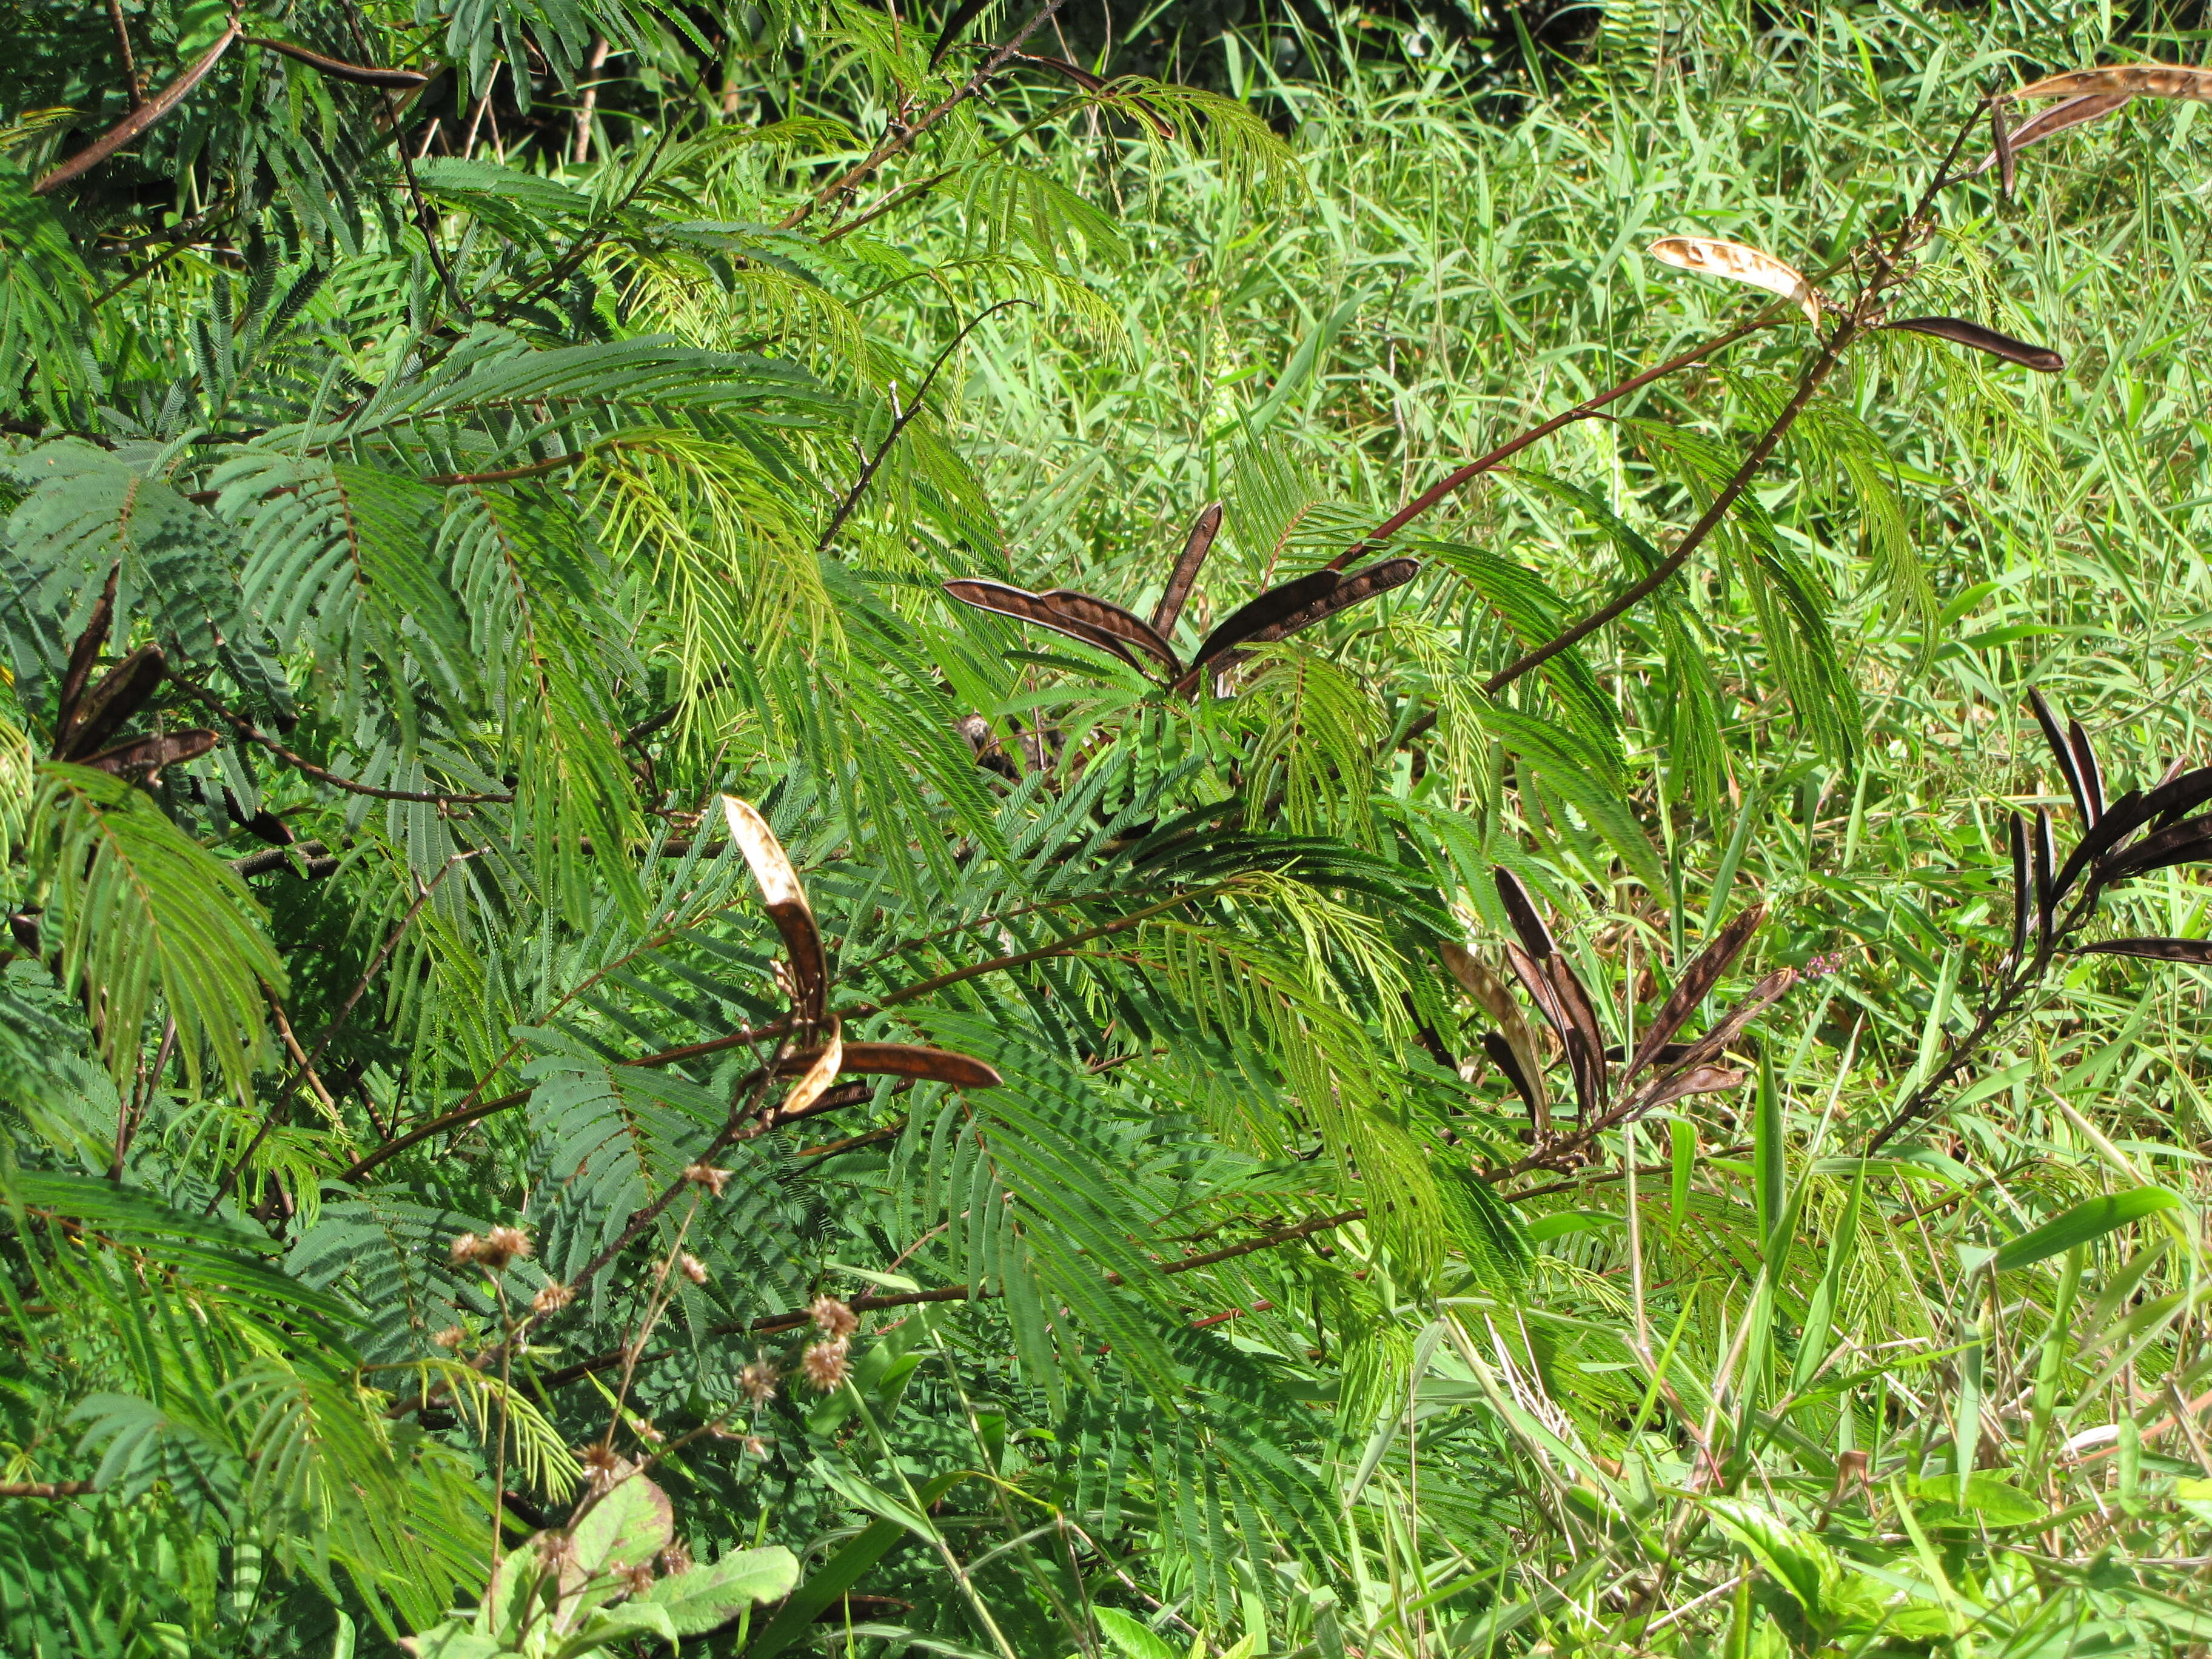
<point>2091,1219</point>
<point>697,1600</point>
<point>144,910</point>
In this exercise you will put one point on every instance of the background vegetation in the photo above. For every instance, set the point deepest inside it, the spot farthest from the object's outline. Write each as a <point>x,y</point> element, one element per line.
<point>430,492</point>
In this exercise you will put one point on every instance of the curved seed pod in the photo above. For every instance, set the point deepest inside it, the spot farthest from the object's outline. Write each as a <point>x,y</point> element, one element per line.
<point>83,656</point>
<point>901,1060</point>
<point>1583,1038</point>
<point>2073,112</point>
<point>2022,898</point>
<point>819,1074</point>
<point>1520,910</point>
<point>2128,80</point>
<point>1741,264</point>
<point>140,118</point>
<point>1957,330</point>
<point>99,713</point>
<point>968,11</point>
<point>1072,607</point>
<point>2156,949</point>
<point>1513,1030</point>
<point>1270,608</point>
<point>145,757</point>
<point>2122,819</point>
<point>2001,146</point>
<point>2085,768</point>
<point>1711,1045</point>
<point>361,75</point>
<point>1695,985</point>
<point>786,908</point>
<point>1352,590</point>
<point>1203,530</point>
<point>2046,894</point>
<point>2177,844</point>
<point>2061,751</point>
<point>1026,606</point>
<point>1697,1080</point>
<point>1508,1062</point>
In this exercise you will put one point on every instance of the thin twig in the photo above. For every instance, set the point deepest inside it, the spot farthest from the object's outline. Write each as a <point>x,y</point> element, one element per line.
<point>144,115</point>
<point>899,424</point>
<point>1584,411</point>
<point>893,142</point>
<point>275,1114</point>
<point>247,729</point>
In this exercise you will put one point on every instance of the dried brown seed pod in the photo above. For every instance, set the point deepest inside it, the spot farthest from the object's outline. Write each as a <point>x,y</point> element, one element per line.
<point>1740,263</point>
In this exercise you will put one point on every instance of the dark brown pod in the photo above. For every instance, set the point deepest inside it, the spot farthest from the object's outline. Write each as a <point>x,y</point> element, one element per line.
<point>1360,585</point>
<point>1026,606</point>
<point>1715,1041</point>
<point>1520,910</point>
<point>2023,899</point>
<point>901,1060</point>
<point>144,757</point>
<point>2177,844</point>
<point>1503,1057</point>
<point>1203,530</point>
<point>968,12</point>
<point>1072,607</point>
<point>2073,112</point>
<point>1697,1080</point>
<point>2091,775</point>
<point>2000,145</point>
<point>361,75</point>
<point>2061,751</point>
<point>2047,888</point>
<point>83,656</point>
<point>121,692</point>
<point>1270,608</point>
<point>1695,985</point>
<point>2155,949</point>
<point>1957,330</point>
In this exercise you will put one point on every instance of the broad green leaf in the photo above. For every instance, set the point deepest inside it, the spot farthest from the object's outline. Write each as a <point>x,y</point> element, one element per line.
<point>697,1600</point>
<point>2088,1220</point>
<point>1799,1563</point>
<point>1131,1638</point>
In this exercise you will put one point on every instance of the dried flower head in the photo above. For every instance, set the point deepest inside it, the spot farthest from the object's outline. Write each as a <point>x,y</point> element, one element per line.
<point>640,1577</point>
<point>603,1464</point>
<point>833,1318</point>
<point>825,1364</point>
<point>707,1176</point>
<point>675,1559</point>
<point>754,1446</point>
<point>692,1268</point>
<point>552,1298</point>
<point>494,1250</point>
<point>452,1337</point>
<point>758,1381</point>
